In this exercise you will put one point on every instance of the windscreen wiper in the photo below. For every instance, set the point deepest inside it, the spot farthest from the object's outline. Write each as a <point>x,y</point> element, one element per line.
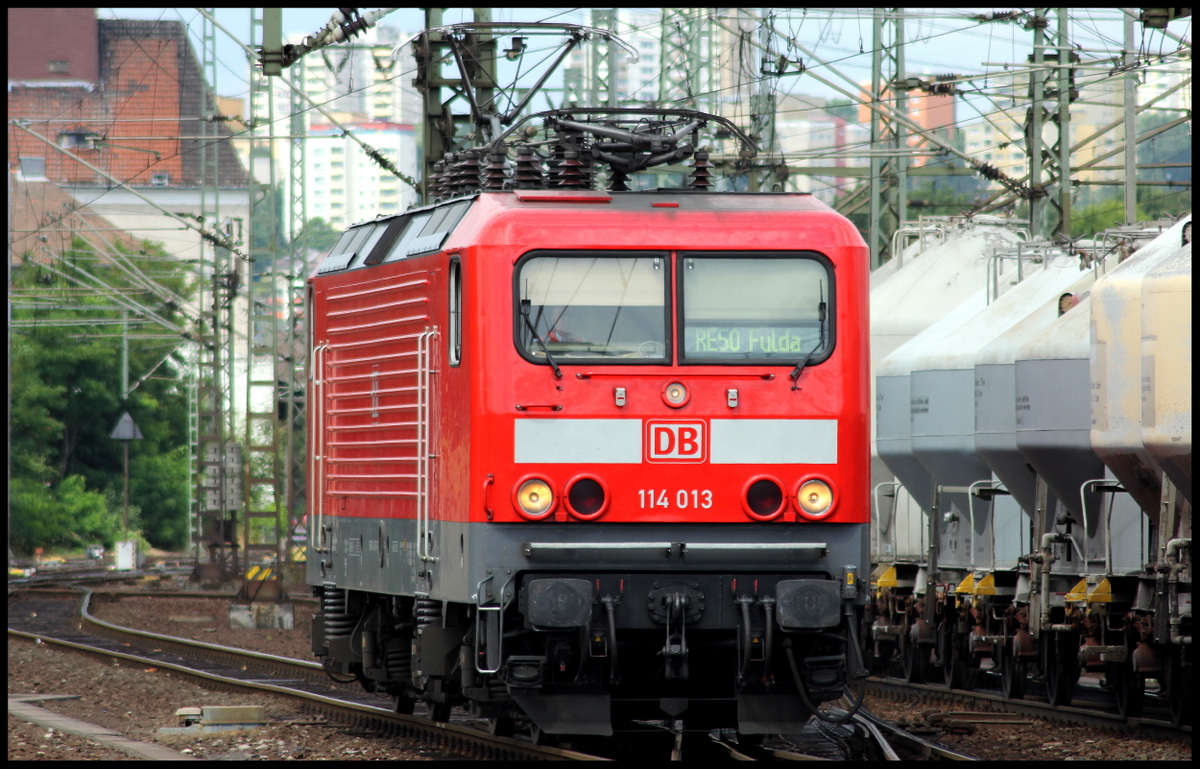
<point>812,354</point>
<point>525,304</point>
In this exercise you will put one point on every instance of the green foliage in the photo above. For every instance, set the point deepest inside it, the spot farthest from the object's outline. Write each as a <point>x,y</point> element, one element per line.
<point>844,108</point>
<point>67,473</point>
<point>152,483</point>
<point>321,235</point>
<point>66,514</point>
<point>1090,219</point>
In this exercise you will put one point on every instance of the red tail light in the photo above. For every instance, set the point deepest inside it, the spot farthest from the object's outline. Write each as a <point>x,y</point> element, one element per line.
<point>587,499</point>
<point>763,498</point>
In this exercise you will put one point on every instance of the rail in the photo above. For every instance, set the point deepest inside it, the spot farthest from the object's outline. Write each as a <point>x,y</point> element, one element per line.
<point>351,706</point>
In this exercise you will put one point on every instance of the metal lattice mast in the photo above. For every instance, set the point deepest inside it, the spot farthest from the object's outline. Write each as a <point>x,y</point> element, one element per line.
<point>1130,126</point>
<point>686,54</point>
<point>437,123</point>
<point>1050,105</point>
<point>603,75</point>
<point>215,498</point>
<point>442,128</point>
<point>295,353</point>
<point>263,472</point>
<point>889,162</point>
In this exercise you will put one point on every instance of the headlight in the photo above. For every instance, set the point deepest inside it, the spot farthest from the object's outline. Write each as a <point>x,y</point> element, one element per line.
<point>675,394</point>
<point>535,498</point>
<point>815,499</point>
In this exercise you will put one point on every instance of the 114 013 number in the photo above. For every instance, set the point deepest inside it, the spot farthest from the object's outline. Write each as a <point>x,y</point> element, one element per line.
<point>683,498</point>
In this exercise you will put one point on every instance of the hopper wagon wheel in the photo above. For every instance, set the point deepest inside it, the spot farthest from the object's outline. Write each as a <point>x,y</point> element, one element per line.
<point>1179,695</point>
<point>954,669</point>
<point>1128,687</point>
<point>1060,666</point>
<point>881,660</point>
<point>915,659</point>
<point>1012,671</point>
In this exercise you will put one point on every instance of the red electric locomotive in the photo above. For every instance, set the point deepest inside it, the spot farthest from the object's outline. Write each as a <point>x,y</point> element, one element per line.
<point>591,458</point>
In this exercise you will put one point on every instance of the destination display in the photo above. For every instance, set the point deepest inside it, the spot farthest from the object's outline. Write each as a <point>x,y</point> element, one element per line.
<point>703,341</point>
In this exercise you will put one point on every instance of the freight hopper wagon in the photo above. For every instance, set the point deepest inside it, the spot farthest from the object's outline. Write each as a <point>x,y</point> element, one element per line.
<point>1061,482</point>
<point>587,458</point>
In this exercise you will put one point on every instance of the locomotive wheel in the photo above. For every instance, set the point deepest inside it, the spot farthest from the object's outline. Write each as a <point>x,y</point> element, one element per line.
<point>1060,666</point>
<point>500,726</point>
<point>402,704</point>
<point>1012,672</point>
<point>439,711</point>
<point>915,659</point>
<point>1178,694</point>
<point>1128,687</point>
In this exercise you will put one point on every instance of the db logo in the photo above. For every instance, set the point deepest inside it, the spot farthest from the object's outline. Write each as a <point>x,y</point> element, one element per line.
<point>675,442</point>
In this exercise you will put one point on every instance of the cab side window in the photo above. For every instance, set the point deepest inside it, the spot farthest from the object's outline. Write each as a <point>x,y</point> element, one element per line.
<point>455,346</point>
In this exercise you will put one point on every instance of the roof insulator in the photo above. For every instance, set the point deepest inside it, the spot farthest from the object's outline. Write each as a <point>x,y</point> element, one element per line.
<point>528,174</point>
<point>496,173</point>
<point>701,177</point>
<point>570,171</point>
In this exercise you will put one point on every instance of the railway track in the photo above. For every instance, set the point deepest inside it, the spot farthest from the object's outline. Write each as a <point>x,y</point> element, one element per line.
<point>1081,714</point>
<point>61,616</point>
<point>70,625</point>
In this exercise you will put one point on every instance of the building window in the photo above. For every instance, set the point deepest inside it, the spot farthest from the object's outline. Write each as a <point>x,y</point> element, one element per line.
<point>76,140</point>
<point>337,191</point>
<point>337,205</point>
<point>160,179</point>
<point>60,67</point>
<point>387,206</point>
<point>337,177</point>
<point>33,169</point>
<point>338,150</point>
<point>337,164</point>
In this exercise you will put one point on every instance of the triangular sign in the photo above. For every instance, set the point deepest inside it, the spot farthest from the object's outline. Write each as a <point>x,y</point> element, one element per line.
<point>126,430</point>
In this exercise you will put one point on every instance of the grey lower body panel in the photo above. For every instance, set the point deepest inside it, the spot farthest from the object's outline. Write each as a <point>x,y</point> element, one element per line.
<point>569,713</point>
<point>381,555</point>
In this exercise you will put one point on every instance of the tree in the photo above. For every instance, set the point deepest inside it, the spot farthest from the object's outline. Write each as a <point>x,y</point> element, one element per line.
<point>844,108</point>
<point>66,471</point>
<point>321,235</point>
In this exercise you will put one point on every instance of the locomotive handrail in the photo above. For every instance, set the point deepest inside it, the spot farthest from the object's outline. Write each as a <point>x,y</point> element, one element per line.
<point>721,374</point>
<point>319,453</point>
<point>424,343</point>
<point>668,548</point>
<point>499,608</point>
<point>753,546</point>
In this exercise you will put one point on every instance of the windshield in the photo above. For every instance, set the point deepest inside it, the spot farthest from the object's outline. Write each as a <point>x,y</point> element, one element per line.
<point>593,306</point>
<point>753,309</point>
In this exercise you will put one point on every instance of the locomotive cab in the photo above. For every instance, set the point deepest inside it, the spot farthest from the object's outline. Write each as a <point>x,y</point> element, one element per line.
<point>593,459</point>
